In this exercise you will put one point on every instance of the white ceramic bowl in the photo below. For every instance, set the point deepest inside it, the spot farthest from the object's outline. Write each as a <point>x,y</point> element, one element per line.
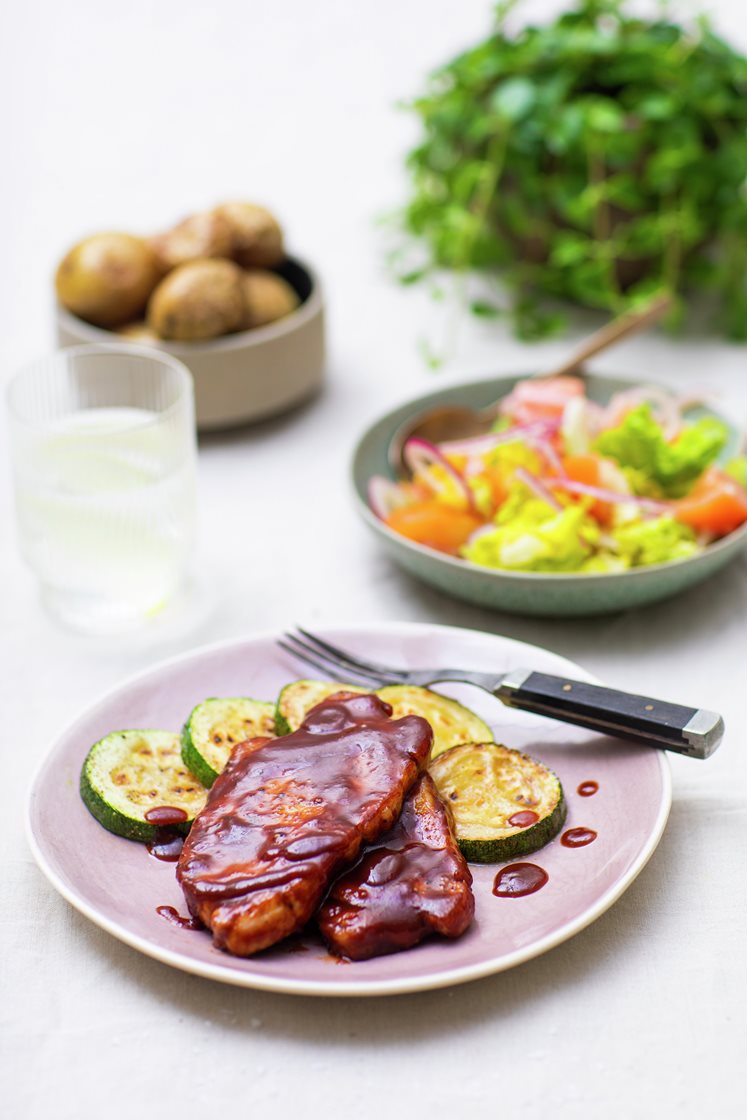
<point>246,376</point>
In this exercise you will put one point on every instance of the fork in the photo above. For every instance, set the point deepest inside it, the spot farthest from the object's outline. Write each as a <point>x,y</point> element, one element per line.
<point>694,732</point>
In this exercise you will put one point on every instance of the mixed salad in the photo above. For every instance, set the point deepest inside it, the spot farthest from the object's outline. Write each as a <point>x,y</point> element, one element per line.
<point>563,484</point>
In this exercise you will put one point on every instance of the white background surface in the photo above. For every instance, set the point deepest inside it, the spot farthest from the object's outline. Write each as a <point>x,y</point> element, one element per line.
<point>129,115</point>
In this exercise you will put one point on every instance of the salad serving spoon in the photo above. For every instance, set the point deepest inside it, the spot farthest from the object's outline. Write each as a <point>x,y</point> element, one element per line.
<point>448,422</point>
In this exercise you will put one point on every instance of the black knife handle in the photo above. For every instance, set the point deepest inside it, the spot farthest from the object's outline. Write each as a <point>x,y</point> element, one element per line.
<point>690,731</point>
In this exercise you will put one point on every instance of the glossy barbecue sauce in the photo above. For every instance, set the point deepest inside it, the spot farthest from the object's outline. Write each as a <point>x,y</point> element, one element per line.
<point>519,879</point>
<point>293,945</point>
<point>412,882</point>
<point>587,789</point>
<point>286,815</point>
<point>578,837</point>
<point>523,819</point>
<point>176,919</point>
<point>165,815</point>
<point>167,844</point>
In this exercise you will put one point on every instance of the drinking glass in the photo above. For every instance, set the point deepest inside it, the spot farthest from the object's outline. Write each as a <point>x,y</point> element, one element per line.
<point>104,454</point>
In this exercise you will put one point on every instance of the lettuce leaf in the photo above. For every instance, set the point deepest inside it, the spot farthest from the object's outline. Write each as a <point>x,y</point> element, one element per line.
<point>651,464</point>
<point>506,457</point>
<point>655,541</point>
<point>503,461</point>
<point>737,469</point>
<point>532,536</point>
<point>605,562</point>
<point>529,535</point>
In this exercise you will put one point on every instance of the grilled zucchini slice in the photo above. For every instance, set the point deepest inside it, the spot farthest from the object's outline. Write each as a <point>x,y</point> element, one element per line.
<point>298,698</point>
<point>216,726</point>
<point>504,803</point>
<point>129,772</point>
<point>452,723</point>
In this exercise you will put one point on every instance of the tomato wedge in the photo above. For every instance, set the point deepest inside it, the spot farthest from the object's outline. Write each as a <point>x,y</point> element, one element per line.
<point>498,484</point>
<point>541,398</point>
<point>433,524</point>
<point>588,469</point>
<point>717,504</point>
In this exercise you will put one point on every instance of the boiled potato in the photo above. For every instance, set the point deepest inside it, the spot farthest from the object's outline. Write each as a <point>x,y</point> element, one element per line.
<point>106,279</point>
<point>139,331</point>
<point>267,297</point>
<point>198,300</point>
<point>257,239</point>
<point>207,234</point>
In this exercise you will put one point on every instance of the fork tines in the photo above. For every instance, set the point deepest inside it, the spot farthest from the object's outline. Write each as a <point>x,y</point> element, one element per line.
<point>332,660</point>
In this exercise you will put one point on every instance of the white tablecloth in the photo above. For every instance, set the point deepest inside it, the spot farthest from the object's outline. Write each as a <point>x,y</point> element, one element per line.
<point>130,115</point>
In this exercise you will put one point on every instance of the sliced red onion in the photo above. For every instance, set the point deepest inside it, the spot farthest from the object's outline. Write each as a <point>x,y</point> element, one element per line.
<point>473,466</point>
<point>665,407</point>
<point>607,495</point>
<point>622,402</point>
<point>547,426</point>
<point>384,496</point>
<point>548,394</point>
<point>480,445</point>
<point>481,532</point>
<point>537,487</point>
<point>697,399</point>
<point>473,445</point>
<point>671,423</point>
<point>596,415</point>
<point>550,455</point>
<point>419,454</point>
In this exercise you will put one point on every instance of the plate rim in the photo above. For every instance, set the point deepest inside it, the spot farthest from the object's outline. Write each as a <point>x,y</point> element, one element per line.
<point>401,986</point>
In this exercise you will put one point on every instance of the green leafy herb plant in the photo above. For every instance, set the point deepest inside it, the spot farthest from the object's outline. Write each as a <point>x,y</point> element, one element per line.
<point>595,159</point>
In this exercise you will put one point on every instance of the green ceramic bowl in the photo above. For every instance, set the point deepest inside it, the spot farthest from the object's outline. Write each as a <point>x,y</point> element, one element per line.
<point>534,593</point>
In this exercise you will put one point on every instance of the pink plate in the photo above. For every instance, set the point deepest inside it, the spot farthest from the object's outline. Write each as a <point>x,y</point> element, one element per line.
<point>116,884</point>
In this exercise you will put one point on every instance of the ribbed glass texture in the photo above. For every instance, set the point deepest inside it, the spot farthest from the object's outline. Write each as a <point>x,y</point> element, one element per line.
<point>104,454</point>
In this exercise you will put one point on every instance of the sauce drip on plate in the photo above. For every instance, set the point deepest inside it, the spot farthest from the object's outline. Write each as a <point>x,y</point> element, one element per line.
<point>587,789</point>
<point>169,914</point>
<point>519,879</point>
<point>578,837</point>
<point>166,845</point>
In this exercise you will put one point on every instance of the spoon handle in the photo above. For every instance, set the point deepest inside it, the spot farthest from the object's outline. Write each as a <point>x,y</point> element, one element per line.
<point>628,324</point>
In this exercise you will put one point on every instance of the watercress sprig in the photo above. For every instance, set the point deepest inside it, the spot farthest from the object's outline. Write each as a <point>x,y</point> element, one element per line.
<point>594,159</point>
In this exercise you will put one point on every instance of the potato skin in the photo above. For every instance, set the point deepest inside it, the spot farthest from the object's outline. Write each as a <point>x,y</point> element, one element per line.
<point>207,234</point>
<point>257,239</point>
<point>267,297</point>
<point>139,331</point>
<point>198,300</point>
<point>106,279</point>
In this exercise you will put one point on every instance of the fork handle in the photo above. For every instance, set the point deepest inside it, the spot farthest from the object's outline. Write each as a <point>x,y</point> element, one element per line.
<point>690,731</point>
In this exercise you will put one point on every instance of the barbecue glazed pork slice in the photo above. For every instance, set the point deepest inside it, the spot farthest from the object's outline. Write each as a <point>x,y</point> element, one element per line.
<point>412,883</point>
<point>287,815</point>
